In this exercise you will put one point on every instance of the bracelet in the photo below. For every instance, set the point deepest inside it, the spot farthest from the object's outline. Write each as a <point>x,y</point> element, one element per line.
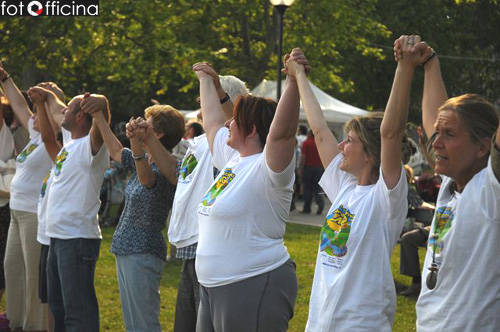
<point>429,58</point>
<point>6,78</point>
<point>225,99</point>
<point>139,157</point>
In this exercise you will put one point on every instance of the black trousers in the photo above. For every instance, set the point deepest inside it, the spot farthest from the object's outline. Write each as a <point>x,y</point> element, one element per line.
<point>410,241</point>
<point>312,175</point>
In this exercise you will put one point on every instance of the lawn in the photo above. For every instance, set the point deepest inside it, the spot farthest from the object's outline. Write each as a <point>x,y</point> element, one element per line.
<point>302,244</point>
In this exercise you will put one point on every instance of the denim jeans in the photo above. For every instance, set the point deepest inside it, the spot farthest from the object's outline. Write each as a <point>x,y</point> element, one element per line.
<point>70,272</point>
<point>139,278</point>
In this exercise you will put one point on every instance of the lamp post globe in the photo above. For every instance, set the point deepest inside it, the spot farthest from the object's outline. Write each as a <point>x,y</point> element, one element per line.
<point>280,6</point>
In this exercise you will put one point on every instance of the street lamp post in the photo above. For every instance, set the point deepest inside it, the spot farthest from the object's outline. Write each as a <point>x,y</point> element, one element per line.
<point>281,6</point>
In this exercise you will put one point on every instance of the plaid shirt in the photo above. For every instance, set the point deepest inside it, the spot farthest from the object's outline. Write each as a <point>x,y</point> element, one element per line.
<point>186,253</point>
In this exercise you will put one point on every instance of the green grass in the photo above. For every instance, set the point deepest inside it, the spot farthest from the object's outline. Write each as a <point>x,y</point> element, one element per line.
<point>302,242</point>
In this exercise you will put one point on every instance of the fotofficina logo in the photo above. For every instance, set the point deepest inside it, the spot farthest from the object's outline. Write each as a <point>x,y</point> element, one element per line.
<point>35,8</point>
<point>49,8</point>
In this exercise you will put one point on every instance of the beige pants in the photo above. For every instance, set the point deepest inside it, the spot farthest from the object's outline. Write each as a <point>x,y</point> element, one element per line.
<point>22,257</point>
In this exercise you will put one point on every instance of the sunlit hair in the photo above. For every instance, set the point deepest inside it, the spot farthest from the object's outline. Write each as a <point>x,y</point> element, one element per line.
<point>368,130</point>
<point>476,114</point>
<point>167,121</point>
<point>252,111</point>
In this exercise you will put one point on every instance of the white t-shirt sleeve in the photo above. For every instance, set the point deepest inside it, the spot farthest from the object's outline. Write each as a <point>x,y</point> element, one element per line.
<point>394,201</point>
<point>221,152</point>
<point>334,178</point>
<point>490,194</point>
<point>31,130</point>
<point>282,179</point>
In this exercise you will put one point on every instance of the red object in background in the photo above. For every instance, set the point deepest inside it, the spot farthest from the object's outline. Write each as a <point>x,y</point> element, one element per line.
<point>428,186</point>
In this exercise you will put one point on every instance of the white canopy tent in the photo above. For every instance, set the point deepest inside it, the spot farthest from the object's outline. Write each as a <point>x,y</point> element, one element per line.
<point>336,112</point>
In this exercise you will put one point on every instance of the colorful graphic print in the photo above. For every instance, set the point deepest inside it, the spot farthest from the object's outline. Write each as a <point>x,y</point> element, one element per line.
<point>222,182</point>
<point>26,152</point>
<point>443,221</point>
<point>61,157</point>
<point>335,232</point>
<point>188,165</point>
<point>44,184</point>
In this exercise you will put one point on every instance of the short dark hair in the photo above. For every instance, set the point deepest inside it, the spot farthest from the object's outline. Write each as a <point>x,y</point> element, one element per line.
<point>302,129</point>
<point>252,111</point>
<point>197,128</point>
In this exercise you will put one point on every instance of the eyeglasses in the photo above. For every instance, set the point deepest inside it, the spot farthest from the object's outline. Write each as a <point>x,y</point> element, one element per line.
<point>431,279</point>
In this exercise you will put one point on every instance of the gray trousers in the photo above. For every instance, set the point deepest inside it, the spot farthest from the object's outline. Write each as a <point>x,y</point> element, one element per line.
<point>258,304</point>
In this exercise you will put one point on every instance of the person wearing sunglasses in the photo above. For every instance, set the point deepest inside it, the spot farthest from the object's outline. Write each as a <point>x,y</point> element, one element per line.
<point>461,274</point>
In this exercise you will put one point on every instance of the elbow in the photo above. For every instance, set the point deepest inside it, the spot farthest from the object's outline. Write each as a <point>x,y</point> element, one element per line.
<point>391,133</point>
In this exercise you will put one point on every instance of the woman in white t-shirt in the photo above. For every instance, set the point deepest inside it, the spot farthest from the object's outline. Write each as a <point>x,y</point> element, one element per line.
<point>24,308</point>
<point>247,279</point>
<point>461,274</point>
<point>353,288</point>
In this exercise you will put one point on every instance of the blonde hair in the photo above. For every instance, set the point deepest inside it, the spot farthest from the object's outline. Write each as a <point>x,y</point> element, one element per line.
<point>167,121</point>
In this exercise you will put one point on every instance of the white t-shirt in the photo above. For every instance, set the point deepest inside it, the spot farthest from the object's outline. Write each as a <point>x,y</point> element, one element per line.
<point>353,288</point>
<point>73,198</point>
<point>42,199</point>
<point>242,217</point>
<point>6,143</point>
<point>32,164</point>
<point>467,293</point>
<point>195,177</point>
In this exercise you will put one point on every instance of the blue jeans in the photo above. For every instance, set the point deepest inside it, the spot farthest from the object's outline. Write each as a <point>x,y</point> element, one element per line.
<point>139,278</point>
<point>70,272</point>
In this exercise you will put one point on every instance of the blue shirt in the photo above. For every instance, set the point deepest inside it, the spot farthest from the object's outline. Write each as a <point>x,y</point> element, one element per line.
<point>144,215</point>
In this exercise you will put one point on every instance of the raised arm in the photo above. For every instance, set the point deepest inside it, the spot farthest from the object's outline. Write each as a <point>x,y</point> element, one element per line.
<point>91,104</point>
<point>434,94</point>
<point>280,142</point>
<point>393,124</point>
<point>54,103</point>
<point>211,109</point>
<point>166,162</point>
<point>324,138</point>
<point>145,173</point>
<point>114,146</point>
<point>39,97</point>
<point>16,98</point>
<point>224,99</point>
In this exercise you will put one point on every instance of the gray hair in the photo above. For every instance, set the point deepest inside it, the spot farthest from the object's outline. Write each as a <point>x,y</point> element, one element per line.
<point>233,86</point>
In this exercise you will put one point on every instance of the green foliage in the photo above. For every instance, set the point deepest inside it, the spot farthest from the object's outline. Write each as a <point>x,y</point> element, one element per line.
<point>142,49</point>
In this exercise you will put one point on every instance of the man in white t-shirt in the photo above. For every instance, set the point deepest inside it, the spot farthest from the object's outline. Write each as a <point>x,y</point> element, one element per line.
<point>72,224</point>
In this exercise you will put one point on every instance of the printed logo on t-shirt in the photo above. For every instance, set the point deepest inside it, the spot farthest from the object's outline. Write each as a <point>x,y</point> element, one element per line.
<point>188,165</point>
<point>61,157</point>
<point>26,152</point>
<point>44,184</point>
<point>335,232</point>
<point>222,182</point>
<point>443,221</point>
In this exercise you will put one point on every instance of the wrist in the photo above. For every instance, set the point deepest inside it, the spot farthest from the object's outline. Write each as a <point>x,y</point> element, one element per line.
<point>430,62</point>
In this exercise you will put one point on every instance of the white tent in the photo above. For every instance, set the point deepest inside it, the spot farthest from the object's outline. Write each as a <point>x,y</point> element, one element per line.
<point>335,111</point>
